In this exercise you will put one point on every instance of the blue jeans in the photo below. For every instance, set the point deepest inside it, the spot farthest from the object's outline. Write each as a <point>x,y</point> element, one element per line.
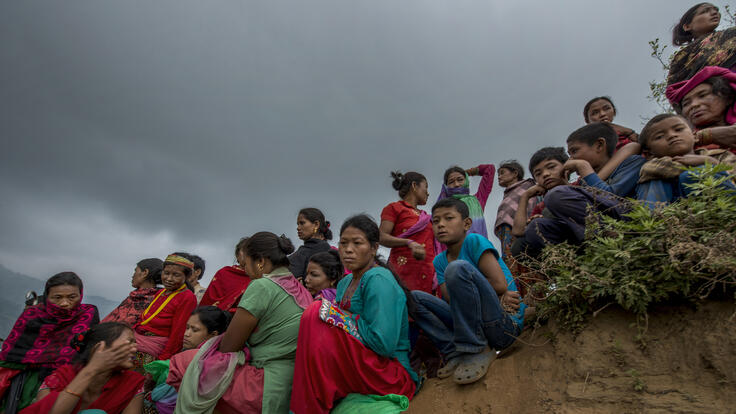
<point>473,318</point>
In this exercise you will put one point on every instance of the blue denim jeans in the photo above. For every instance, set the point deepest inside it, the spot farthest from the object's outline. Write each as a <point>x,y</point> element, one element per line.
<point>473,318</point>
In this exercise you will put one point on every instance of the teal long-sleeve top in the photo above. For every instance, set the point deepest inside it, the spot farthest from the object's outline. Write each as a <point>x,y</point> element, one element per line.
<point>379,311</point>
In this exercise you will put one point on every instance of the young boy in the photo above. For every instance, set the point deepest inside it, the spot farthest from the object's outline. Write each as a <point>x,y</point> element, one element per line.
<point>481,305</point>
<point>670,142</point>
<point>548,169</point>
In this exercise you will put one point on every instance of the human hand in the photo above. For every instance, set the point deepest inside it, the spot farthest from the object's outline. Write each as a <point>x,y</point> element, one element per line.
<point>692,160</point>
<point>472,171</point>
<point>510,301</point>
<point>417,250</point>
<point>534,191</point>
<point>581,167</point>
<point>106,358</point>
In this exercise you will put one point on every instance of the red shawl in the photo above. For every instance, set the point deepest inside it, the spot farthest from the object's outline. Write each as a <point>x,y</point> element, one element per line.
<point>677,91</point>
<point>130,309</point>
<point>116,393</point>
<point>43,333</point>
<point>225,289</point>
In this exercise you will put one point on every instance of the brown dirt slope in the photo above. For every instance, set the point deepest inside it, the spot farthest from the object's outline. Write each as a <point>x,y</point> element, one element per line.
<point>687,366</point>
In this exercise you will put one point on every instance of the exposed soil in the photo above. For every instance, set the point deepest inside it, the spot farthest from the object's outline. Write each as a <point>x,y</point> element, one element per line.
<point>687,365</point>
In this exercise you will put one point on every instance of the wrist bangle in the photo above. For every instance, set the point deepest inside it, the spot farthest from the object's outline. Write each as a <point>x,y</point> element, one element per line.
<point>706,137</point>
<point>409,242</point>
<point>66,390</point>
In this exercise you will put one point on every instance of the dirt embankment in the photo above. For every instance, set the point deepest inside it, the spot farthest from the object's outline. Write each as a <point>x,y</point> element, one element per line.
<point>687,366</point>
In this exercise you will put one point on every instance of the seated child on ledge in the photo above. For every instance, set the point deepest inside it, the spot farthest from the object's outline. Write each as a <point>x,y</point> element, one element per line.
<point>670,141</point>
<point>484,308</point>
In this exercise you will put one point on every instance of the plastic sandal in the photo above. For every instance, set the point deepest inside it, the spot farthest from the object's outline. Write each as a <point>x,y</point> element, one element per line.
<point>474,367</point>
<point>449,368</point>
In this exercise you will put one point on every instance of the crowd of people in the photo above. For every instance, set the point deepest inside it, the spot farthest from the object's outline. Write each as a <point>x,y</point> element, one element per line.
<point>321,329</point>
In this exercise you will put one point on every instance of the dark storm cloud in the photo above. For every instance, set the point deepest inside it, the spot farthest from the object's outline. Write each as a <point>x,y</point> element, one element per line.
<point>132,129</point>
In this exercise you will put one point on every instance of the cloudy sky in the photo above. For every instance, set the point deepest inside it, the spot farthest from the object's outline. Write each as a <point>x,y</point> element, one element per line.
<point>131,129</point>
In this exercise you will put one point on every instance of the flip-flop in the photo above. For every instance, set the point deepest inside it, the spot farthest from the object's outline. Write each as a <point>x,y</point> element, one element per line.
<point>474,367</point>
<point>449,368</point>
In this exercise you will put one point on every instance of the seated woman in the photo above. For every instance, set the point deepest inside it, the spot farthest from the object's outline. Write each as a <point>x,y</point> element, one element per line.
<point>146,276</point>
<point>311,227</point>
<point>99,378</point>
<point>708,102</point>
<point>703,45</point>
<point>602,109</point>
<point>323,272</point>
<point>160,332</point>
<point>41,339</point>
<point>261,340</point>
<point>228,284</point>
<point>205,323</point>
<point>363,346</point>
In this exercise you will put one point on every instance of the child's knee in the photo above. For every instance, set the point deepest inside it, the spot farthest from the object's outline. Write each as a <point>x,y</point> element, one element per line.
<point>458,270</point>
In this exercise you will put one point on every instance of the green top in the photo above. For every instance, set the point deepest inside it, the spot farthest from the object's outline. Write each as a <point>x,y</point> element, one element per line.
<point>382,318</point>
<point>273,343</point>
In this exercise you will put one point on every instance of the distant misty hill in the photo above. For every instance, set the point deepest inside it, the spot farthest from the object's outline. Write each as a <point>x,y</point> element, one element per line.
<point>13,292</point>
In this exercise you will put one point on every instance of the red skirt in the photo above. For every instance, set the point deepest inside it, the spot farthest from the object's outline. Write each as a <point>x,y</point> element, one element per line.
<point>331,364</point>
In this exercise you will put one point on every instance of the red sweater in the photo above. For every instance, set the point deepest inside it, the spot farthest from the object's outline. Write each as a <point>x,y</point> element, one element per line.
<point>171,322</point>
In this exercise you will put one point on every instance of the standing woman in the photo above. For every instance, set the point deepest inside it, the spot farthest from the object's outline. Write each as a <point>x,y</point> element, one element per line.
<point>408,232</point>
<point>41,339</point>
<point>457,185</point>
<point>160,332</point>
<point>362,345</point>
<point>146,276</point>
<point>311,227</point>
<point>702,44</point>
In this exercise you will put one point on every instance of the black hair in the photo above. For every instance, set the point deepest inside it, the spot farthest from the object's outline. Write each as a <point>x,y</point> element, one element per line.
<point>63,279</point>
<point>84,343</point>
<point>368,226</point>
<point>647,130</point>
<point>451,170</point>
<point>330,263</point>
<point>720,88</point>
<point>315,215</point>
<point>590,133</point>
<point>154,266</point>
<point>681,36</point>
<point>198,264</point>
<point>213,318</point>
<point>513,166</point>
<point>240,246</point>
<point>269,246</point>
<point>547,153</point>
<point>590,102</point>
<point>452,202</point>
<point>402,182</point>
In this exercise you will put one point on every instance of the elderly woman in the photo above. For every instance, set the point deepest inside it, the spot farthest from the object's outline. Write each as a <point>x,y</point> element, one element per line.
<point>146,276</point>
<point>708,101</point>
<point>41,339</point>
<point>160,331</point>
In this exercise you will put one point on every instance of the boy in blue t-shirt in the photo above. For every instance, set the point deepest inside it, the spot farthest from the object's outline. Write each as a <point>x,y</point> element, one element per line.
<point>481,305</point>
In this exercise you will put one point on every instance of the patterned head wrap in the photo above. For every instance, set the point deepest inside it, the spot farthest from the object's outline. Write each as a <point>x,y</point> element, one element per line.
<point>179,260</point>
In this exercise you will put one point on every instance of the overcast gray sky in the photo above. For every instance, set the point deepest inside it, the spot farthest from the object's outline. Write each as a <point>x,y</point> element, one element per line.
<point>132,129</point>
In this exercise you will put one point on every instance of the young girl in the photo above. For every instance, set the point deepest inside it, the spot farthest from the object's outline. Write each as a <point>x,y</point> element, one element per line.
<point>323,272</point>
<point>457,185</point>
<point>263,334</point>
<point>602,109</point>
<point>228,284</point>
<point>511,178</point>
<point>146,276</point>
<point>41,339</point>
<point>99,378</point>
<point>311,227</point>
<point>408,232</point>
<point>160,332</point>
<point>704,46</point>
<point>205,322</point>
<point>362,346</point>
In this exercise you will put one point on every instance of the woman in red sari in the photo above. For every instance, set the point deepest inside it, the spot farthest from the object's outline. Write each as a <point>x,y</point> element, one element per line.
<point>98,378</point>
<point>228,284</point>
<point>408,232</point>
<point>146,276</point>
<point>160,332</point>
